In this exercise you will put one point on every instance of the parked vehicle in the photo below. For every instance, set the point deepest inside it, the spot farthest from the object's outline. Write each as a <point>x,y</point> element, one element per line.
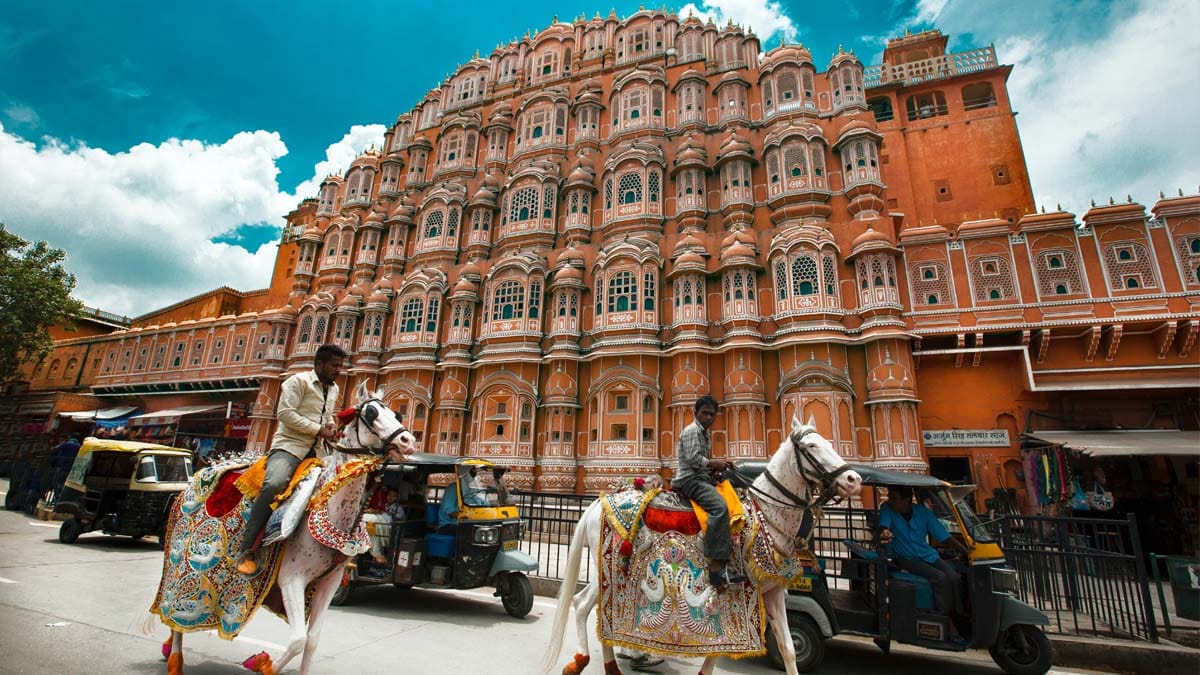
<point>481,548</point>
<point>121,488</point>
<point>868,595</point>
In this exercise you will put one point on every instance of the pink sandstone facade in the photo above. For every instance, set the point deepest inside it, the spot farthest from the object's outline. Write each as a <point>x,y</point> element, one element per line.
<point>558,250</point>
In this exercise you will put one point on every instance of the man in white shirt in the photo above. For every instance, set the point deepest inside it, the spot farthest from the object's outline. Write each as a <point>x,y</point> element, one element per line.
<point>307,403</point>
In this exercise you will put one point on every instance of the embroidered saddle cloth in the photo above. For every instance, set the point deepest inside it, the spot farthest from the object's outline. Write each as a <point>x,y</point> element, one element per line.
<point>654,590</point>
<point>201,588</point>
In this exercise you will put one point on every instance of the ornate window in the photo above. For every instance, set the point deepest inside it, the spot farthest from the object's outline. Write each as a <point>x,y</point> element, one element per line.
<point>1057,273</point>
<point>1188,247</point>
<point>535,298</point>
<point>1129,267</point>
<point>522,205</point>
<point>735,182</point>
<point>508,301</point>
<point>622,292</point>
<point>729,54</point>
<point>732,101</point>
<point>410,315</point>
<point>931,284</point>
<point>920,106</point>
<point>689,298</point>
<point>434,220</point>
<point>804,281</point>
<point>546,67</point>
<point>738,294</point>
<point>431,316</point>
<point>691,103</point>
<point>876,280</point>
<point>992,279</point>
<point>691,46</point>
<point>593,44</point>
<point>648,291</point>
<point>630,188</point>
<point>416,168</point>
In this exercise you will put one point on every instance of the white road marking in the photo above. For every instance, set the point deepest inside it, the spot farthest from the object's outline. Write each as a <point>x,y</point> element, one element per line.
<point>6,581</point>
<point>43,524</point>
<point>260,643</point>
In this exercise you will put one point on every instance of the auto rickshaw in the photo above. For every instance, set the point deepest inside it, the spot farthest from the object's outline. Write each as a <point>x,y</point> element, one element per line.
<point>121,488</point>
<point>482,548</point>
<point>851,585</point>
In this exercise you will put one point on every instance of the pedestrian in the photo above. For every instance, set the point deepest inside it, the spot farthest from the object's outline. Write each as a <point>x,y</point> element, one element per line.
<point>307,402</point>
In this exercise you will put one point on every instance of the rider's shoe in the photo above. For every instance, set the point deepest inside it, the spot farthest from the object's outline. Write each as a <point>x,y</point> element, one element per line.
<point>246,563</point>
<point>644,662</point>
<point>721,578</point>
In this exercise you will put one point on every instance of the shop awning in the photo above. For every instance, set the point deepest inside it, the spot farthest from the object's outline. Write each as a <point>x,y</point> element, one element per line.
<point>99,414</point>
<point>1126,442</point>
<point>171,415</point>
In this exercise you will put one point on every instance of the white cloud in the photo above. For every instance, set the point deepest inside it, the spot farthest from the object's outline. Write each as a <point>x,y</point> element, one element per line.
<point>1106,94</point>
<point>22,114</point>
<point>764,16</point>
<point>339,155</point>
<point>138,225</point>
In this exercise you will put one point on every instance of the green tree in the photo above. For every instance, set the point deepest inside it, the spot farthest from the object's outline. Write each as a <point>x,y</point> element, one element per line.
<point>35,294</point>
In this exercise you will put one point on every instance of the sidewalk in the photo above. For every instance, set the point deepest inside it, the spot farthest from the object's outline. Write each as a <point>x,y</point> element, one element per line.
<point>1124,656</point>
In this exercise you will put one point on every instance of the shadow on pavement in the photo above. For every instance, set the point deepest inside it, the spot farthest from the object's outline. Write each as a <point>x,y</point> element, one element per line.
<point>431,605</point>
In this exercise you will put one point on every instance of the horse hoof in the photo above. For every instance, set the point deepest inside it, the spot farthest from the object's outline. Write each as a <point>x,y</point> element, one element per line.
<point>610,668</point>
<point>175,664</point>
<point>576,667</point>
<point>166,648</point>
<point>260,663</point>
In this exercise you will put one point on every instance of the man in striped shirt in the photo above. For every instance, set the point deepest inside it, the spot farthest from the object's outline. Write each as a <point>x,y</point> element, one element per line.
<point>693,479</point>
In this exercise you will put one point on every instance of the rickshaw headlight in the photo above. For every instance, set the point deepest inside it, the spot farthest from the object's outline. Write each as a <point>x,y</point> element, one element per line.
<point>487,535</point>
<point>1004,580</point>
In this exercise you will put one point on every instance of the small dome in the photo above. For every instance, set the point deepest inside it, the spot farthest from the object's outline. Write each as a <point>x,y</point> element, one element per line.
<point>742,382</point>
<point>842,57</point>
<point>453,391</point>
<point>311,233</point>
<point>689,260</point>
<point>569,273</point>
<point>786,54</point>
<point>465,286</point>
<point>561,386</point>
<point>736,251</point>
<point>871,240</point>
<point>350,300</point>
<point>378,298</point>
<point>374,217</point>
<point>470,269</point>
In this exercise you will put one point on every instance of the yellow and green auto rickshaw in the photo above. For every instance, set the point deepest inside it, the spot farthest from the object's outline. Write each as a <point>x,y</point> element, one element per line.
<point>121,488</point>
<point>473,541</point>
<point>852,585</point>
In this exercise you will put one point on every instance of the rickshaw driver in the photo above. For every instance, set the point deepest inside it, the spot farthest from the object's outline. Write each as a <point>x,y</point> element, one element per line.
<point>694,482</point>
<point>307,403</point>
<point>906,528</point>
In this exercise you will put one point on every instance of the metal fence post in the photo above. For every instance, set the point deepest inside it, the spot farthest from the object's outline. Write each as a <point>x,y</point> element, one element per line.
<point>1162,596</point>
<point>1143,584</point>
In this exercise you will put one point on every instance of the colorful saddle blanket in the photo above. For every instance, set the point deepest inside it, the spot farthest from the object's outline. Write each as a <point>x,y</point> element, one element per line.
<point>654,590</point>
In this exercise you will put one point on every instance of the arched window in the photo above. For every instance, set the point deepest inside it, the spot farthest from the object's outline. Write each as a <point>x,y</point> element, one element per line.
<point>305,332</point>
<point>931,300</point>
<point>523,205</point>
<point>508,302</point>
<point>622,292</point>
<point>804,276</point>
<point>994,294</point>
<point>1131,282</point>
<point>1195,245</point>
<point>1060,289</point>
<point>654,188</point>
<point>410,315</point>
<point>1124,254</point>
<point>648,291</point>
<point>535,298</point>
<point>1055,261</point>
<point>978,95</point>
<point>630,188</point>
<point>433,224</point>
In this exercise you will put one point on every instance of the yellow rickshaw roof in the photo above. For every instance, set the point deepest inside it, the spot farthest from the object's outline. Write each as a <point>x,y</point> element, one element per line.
<point>93,444</point>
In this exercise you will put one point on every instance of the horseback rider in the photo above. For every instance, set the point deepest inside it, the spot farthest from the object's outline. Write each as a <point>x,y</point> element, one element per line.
<point>693,480</point>
<point>307,403</point>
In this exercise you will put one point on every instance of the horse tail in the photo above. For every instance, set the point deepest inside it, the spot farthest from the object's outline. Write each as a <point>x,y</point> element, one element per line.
<point>147,626</point>
<point>566,592</point>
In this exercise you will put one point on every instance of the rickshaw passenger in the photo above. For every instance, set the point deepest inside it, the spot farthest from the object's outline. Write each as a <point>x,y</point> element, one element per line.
<point>383,510</point>
<point>448,509</point>
<point>307,402</point>
<point>906,528</point>
<point>476,492</point>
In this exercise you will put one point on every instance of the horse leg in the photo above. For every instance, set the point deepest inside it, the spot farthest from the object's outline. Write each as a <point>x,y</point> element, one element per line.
<point>706,668</point>
<point>292,590</point>
<point>174,653</point>
<point>583,602</point>
<point>610,660</point>
<point>323,592</point>
<point>775,600</point>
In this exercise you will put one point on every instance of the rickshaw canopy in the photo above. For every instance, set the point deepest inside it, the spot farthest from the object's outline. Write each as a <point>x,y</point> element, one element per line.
<point>77,479</point>
<point>875,476</point>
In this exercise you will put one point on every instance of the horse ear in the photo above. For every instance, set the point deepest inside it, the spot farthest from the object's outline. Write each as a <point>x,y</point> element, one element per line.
<point>796,426</point>
<point>379,392</point>
<point>360,394</point>
<point>812,422</point>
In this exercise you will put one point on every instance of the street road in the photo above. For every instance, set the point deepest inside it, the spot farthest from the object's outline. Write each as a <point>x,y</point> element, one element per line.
<point>78,609</point>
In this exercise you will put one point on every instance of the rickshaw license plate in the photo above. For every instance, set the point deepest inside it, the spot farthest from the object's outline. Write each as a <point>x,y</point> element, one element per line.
<point>801,584</point>
<point>511,545</point>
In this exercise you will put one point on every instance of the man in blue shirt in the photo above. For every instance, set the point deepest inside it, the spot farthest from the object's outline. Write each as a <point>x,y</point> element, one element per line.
<point>448,510</point>
<point>907,527</point>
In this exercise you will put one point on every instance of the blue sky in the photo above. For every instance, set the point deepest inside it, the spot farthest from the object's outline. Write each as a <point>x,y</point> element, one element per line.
<point>160,143</point>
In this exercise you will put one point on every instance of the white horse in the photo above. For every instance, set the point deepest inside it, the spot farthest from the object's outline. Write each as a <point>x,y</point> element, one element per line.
<point>305,562</point>
<point>805,463</point>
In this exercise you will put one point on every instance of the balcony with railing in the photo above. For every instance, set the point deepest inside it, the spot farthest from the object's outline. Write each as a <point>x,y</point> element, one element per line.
<point>935,68</point>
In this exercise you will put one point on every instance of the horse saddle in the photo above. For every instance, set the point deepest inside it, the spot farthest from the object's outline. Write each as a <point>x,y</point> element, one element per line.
<point>669,510</point>
<point>242,480</point>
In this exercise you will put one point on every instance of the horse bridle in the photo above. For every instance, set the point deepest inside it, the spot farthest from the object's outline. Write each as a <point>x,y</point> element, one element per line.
<point>822,475</point>
<point>367,419</point>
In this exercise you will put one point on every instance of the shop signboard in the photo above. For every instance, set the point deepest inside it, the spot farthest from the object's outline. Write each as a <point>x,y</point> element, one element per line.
<point>966,438</point>
<point>238,428</point>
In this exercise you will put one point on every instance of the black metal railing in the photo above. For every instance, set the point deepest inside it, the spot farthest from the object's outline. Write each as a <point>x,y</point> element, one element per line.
<point>550,519</point>
<point>1087,574</point>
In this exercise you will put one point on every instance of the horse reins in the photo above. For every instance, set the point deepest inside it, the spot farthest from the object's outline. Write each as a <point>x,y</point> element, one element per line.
<point>824,476</point>
<point>359,416</point>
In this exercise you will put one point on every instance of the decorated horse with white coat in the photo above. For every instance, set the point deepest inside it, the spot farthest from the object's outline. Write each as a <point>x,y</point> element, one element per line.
<point>316,528</point>
<point>652,585</point>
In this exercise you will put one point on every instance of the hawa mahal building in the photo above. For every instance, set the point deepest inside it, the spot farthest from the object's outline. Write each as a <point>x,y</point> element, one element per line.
<point>571,239</point>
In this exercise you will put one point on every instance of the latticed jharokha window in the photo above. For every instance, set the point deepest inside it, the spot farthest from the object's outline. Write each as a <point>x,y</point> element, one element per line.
<point>433,224</point>
<point>1129,267</point>
<point>992,279</point>
<point>630,188</point>
<point>410,315</point>
<point>1057,273</point>
<point>508,302</point>
<point>523,205</point>
<point>622,292</point>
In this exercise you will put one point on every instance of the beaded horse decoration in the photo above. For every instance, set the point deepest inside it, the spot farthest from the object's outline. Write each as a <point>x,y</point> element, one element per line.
<point>200,588</point>
<point>652,584</point>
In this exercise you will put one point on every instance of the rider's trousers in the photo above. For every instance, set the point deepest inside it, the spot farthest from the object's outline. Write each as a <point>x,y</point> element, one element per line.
<point>717,542</point>
<point>280,467</point>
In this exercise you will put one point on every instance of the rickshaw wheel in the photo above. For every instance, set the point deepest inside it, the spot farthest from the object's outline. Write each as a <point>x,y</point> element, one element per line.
<point>12,500</point>
<point>1022,650</point>
<point>806,639</point>
<point>69,531</point>
<point>517,597</point>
